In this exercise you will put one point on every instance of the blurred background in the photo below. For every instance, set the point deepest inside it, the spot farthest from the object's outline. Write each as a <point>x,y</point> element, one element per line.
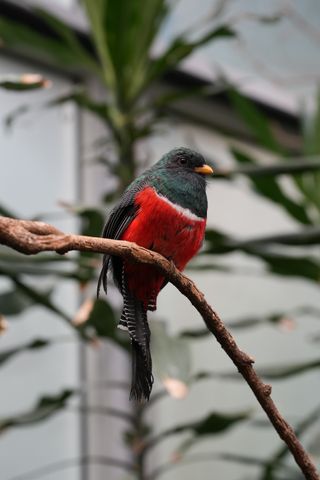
<point>91,94</point>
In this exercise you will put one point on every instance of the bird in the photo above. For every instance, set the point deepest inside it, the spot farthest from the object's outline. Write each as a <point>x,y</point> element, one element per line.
<point>164,210</point>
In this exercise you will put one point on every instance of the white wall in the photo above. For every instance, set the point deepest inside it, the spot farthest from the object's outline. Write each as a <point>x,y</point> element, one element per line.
<point>38,165</point>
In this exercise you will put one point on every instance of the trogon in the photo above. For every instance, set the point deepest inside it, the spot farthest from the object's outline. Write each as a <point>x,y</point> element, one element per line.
<point>164,210</point>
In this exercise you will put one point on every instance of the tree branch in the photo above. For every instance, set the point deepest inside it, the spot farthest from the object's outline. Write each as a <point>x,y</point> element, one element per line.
<point>33,237</point>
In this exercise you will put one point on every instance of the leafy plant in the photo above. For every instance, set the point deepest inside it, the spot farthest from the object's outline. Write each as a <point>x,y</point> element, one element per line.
<point>120,54</point>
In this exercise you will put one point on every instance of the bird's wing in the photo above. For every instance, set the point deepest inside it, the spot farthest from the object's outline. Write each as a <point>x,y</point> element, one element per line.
<point>120,217</point>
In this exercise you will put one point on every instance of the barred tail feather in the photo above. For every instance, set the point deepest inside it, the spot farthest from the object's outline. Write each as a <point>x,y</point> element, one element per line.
<point>142,378</point>
<point>134,319</point>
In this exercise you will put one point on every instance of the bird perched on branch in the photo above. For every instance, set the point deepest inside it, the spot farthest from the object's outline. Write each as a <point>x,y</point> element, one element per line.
<point>164,210</point>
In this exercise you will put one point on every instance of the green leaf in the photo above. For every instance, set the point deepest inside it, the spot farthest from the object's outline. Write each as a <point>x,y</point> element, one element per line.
<point>309,184</point>
<point>40,299</point>
<point>7,354</point>
<point>15,301</point>
<point>241,324</point>
<point>279,372</point>
<point>272,465</point>
<point>270,188</point>
<point>102,322</point>
<point>295,266</point>
<point>71,40</point>
<point>24,82</point>
<point>92,221</point>
<point>255,120</point>
<point>287,371</point>
<point>44,409</point>
<point>81,98</point>
<point>278,263</point>
<point>96,11</point>
<point>218,242</point>
<point>217,423</point>
<point>5,212</point>
<point>213,424</point>
<point>181,48</point>
<point>295,168</point>
<point>129,53</point>
<point>273,319</point>
<point>17,35</point>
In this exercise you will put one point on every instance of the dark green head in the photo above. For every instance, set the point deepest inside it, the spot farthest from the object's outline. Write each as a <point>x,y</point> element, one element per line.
<point>180,176</point>
<point>184,159</point>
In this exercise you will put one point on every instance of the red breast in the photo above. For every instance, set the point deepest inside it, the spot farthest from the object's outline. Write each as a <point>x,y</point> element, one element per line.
<point>167,228</point>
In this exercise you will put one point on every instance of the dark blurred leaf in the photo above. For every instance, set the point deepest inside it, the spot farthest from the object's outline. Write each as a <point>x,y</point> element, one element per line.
<point>296,167</point>
<point>102,322</point>
<point>15,301</point>
<point>40,299</point>
<point>309,183</point>
<point>180,48</point>
<point>270,188</point>
<point>212,424</point>
<point>275,318</point>
<point>16,34</point>
<point>5,212</point>
<point>279,372</point>
<point>92,222</point>
<point>278,263</point>
<point>96,12</point>
<point>34,345</point>
<point>272,466</point>
<point>171,97</point>
<point>255,120</point>
<point>288,371</point>
<point>69,38</point>
<point>216,423</point>
<point>218,242</point>
<point>45,408</point>
<point>10,118</point>
<point>294,266</point>
<point>80,97</point>
<point>311,131</point>
<point>247,460</point>
<point>24,82</point>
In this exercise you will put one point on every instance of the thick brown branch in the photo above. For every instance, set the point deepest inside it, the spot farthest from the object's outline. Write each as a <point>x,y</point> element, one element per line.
<point>33,237</point>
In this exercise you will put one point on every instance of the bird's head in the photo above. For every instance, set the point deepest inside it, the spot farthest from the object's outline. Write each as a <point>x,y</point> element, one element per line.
<point>185,159</point>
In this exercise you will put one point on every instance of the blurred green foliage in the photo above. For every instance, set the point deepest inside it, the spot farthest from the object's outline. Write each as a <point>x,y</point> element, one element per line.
<point>119,55</point>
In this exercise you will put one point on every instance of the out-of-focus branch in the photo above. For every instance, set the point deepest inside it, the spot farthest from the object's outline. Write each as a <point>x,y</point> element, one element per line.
<point>33,237</point>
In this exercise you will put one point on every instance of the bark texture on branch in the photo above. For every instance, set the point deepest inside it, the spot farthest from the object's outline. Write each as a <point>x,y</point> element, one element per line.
<point>33,237</point>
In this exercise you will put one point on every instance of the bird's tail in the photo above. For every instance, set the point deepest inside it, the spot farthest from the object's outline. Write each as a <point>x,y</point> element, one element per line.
<point>134,319</point>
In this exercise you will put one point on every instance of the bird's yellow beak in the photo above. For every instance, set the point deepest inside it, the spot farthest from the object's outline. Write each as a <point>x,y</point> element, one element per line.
<point>205,170</point>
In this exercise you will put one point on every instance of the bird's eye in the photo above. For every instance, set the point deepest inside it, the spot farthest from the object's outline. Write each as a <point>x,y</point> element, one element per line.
<point>182,161</point>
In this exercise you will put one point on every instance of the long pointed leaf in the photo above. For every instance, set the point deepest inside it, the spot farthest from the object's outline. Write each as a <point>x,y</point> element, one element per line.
<point>181,48</point>
<point>44,409</point>
<point>270,188</point>
<point>7,354</point>
<point>255,120</point>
